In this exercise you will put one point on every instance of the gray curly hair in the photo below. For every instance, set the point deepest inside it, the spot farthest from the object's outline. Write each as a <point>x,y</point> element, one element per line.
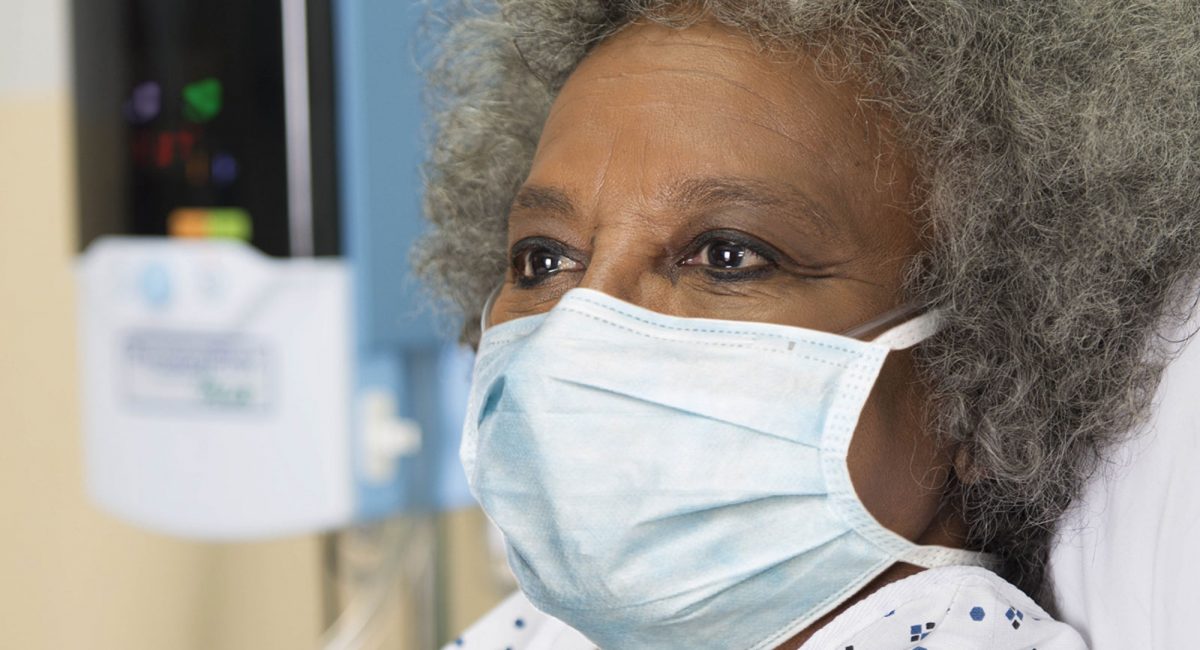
<point>1057,142</point>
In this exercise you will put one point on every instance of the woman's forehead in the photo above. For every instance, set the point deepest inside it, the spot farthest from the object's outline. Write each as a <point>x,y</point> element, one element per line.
<point>702,76</point>
<point>655,106</point>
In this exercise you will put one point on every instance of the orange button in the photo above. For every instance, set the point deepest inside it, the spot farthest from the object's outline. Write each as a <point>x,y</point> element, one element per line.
<point>223,223</point>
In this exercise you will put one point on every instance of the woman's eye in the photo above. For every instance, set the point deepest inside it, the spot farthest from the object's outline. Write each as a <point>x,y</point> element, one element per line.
<point>535,264</point>
<point>726,255</point>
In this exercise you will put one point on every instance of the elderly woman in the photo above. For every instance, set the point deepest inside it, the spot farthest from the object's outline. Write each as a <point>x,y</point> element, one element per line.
<point>803,322</point>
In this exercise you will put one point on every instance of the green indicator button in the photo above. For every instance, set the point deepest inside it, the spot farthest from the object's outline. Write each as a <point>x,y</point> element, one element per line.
<point>230,223</point>
<point>202,100</point>
<point>227,223</point>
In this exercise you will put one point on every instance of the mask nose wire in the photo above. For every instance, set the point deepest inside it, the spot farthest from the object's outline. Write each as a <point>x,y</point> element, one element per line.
<point>865,331</point>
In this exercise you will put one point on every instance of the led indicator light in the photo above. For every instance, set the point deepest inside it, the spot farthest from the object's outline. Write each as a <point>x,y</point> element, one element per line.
<point>144,103</point>
<point>196,169</point>
<point>205,223</point>
<point>162,149</point>
<point>224,169</point>
<point>202,100</point>
<point>165,151</point>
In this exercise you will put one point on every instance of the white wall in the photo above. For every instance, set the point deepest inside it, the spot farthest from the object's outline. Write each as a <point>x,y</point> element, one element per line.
<point>33,54</point>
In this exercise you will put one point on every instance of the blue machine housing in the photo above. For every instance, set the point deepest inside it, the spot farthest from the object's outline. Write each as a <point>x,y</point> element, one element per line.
<point>399,347</point>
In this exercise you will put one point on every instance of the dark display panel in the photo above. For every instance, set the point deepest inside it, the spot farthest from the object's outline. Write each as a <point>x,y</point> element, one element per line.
<point>182,122</point>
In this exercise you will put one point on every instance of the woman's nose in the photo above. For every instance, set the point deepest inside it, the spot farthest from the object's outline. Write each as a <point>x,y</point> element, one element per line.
<point>629,267</point>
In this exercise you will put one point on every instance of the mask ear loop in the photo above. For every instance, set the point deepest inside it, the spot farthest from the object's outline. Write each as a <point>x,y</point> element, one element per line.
<point>903,327</point>
<point>487,308</point>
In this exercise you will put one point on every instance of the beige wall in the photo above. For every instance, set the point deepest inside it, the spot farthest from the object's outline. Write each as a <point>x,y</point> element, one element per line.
<point>70,576</point>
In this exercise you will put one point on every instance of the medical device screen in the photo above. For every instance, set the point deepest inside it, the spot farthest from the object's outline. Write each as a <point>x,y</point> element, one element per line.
<point>183,109</point>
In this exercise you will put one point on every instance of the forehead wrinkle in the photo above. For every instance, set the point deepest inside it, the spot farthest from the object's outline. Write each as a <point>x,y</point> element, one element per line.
<point>773,127</point>
<point>709,192</point>
<point>702,77</point>
<point>606,166</point>
<point>687,73</point>
<point>768,116</point>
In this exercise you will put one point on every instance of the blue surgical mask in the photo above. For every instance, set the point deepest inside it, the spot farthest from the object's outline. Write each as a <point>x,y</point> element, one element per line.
<point>667,482</point>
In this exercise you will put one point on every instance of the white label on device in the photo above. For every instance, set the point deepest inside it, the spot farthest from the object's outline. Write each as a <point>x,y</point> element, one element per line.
<point>190,370</point>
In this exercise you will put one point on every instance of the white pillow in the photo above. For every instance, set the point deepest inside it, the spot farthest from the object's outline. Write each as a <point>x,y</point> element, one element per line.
<point>1125,569</point>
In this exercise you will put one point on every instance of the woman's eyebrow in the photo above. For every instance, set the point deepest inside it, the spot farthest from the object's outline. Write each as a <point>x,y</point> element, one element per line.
<point>545,199</point>
<point>710,192</point>
<point>701,194</point>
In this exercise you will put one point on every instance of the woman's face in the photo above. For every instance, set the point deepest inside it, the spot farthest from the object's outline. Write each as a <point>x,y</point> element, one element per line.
<point>686,172</point>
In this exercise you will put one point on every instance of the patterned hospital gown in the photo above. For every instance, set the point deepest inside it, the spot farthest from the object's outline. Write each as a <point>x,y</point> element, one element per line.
<point>952,608</point>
